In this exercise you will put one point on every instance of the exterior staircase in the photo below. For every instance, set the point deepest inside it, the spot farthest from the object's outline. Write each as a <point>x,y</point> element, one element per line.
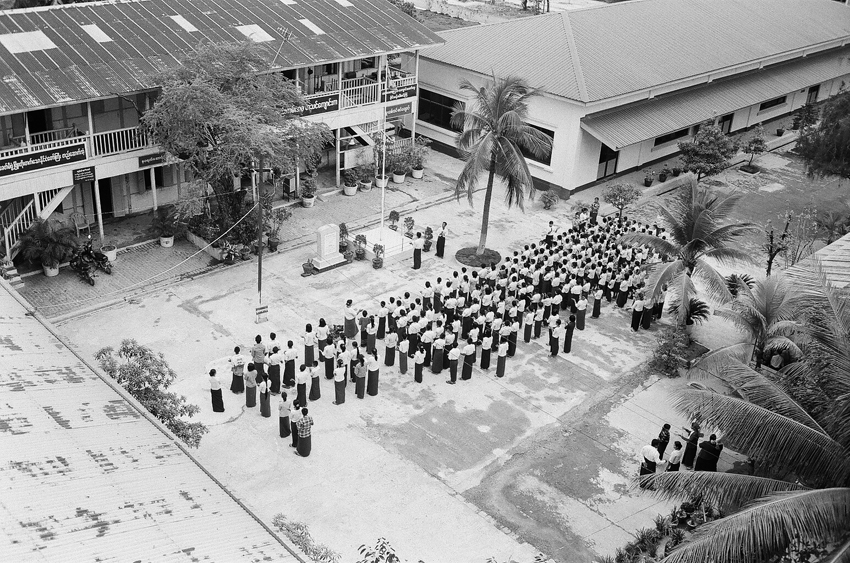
<point>17,216</point>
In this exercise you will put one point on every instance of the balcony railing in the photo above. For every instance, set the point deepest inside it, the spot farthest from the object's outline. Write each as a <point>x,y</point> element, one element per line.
<point>121,140</point>
<point>359,92</point>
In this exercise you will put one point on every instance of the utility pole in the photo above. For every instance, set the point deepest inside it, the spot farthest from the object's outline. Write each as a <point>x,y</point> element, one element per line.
<point>262,310</point>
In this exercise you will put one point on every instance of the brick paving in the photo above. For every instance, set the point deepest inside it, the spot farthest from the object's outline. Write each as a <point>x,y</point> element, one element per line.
<point>66,292</point>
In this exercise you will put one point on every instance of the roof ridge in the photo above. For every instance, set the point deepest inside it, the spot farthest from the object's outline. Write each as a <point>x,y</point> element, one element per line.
<point>573,55</point>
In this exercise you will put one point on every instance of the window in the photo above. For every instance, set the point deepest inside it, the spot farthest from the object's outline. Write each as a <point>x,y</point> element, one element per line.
<point>157,172</point>
<point>436,109</point>
<point>772,103</point>
<point>670,137</point>
<point>547,160</point>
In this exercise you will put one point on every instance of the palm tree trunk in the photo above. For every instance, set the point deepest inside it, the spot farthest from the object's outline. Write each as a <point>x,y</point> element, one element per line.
<point>485,219</point>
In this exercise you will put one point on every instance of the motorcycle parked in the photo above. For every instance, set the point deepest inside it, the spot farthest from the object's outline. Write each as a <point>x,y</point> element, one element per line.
<point>96,258</point>
<point>84,269</point>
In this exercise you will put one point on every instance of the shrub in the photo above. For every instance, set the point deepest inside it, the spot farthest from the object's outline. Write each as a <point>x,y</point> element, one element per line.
<point>299,534</point>
<point>665,356</point>
<point>549,199</point>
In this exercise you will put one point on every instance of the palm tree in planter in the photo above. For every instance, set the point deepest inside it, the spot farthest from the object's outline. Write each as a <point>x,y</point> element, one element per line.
<point>698,225</point>
<point>49,243</point>
<point>797,425</point>
<point>394,218</point>
<point>493,134</point>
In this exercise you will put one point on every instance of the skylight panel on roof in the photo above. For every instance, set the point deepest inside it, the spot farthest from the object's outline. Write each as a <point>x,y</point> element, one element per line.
<point>288,2</point>
<point>26,42</point>
<point>254,32</point>
<point>96,33</point>
<point>344,3</point>
<point>311,26</point>
<point>184,23</point>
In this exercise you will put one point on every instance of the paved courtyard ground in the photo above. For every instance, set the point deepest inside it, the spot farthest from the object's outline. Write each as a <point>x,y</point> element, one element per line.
<point>541,460</point>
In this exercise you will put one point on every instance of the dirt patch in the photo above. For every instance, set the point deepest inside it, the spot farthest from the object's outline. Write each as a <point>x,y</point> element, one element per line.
<point>469,257</point>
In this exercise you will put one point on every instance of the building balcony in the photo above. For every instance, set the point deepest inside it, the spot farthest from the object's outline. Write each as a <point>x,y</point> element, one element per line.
<point>96,145</point>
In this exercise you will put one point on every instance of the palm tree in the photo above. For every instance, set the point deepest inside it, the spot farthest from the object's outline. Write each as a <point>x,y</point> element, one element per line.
<point>696,221</point>
<point>767,314</point>
<point>798,425</point>
<point>492,137</point>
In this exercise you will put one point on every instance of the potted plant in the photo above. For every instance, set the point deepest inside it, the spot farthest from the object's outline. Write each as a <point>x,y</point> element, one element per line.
<point>343,237</point>
<point>229,252</point>
<point>419,154</point>
<point>309,268</point>
<point>381,180</point>
<point>401,166</point>
<point>48,243</point>
<point>308,190</point>
<point>365,175</point>
<point>349,181</point>
<point>245,251</point>
<point>676,171</point>
<point>649,175</point>
<point>408,227</point>
<point>360,247</point>
<point>665,172</point>
<point>165,226</point>
<point>394,217</point>
<point>275,219</point>
<point>549,198</point>
<point>110,251</point>
<point>349,256</point>
<point>780,131</point>
<point>378,260</point>
<point>429,239</point>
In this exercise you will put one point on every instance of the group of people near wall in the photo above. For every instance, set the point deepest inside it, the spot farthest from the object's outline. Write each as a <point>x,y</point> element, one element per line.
<point>696,455</point>
<point>473,317</point>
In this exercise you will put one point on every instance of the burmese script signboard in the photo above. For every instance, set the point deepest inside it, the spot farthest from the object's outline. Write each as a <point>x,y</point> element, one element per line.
<point>43,159</point>
<point>320,104</point>
<point>399,93</point>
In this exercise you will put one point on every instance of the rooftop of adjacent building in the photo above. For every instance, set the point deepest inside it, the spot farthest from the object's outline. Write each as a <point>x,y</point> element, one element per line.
<point>86,476</point>
<point>599,52</point>
<point>77,52</point>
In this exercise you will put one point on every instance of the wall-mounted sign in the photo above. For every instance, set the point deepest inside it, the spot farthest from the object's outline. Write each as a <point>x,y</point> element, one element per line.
<point>42,159</point>
<point>399,110</point>
<point>321,104</point>
<point>152,160</point>
<point>399,93</point>
<point>81,175</point>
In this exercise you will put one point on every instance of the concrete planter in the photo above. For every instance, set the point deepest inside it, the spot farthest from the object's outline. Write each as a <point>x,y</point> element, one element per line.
<point>50,271</point>
<point>203,245</point>
<point>110,251</point>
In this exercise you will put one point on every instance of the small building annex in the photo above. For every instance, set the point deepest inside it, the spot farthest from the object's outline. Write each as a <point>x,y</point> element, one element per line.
<point>622,84</point>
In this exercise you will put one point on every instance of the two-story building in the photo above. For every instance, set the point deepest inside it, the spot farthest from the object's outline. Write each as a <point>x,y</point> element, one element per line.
<point>622,84</point>
<point>75,79</point>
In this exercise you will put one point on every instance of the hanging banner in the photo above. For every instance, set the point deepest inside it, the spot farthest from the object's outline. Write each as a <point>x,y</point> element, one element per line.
<point>399,93</point>
<point>320,104</point>
<point>42,159</point>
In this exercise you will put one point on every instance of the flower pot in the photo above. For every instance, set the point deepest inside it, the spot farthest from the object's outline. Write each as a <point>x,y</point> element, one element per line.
<point>229,260</point>
<point>780,131</point>
<point>308,201</point>
<point>426,247</point>
<point>349,256</point>
<point>377,263</point>
<point>394,227</point>
<point>273,244</point>
<point>349,190</point>
<point>398,177</point>
<point>677,171</point>
<point>647,182</point>
<point>111,252</point>
<point>166,242</point>
<point>360,254</point>
<point>245,254</point>
<point>343,247</point>
<point>381,181</point>
<point>662,177</point>
<point>365,186</point>
<point>418,173</point>
<point>50,271</point>
<point>308,268</point>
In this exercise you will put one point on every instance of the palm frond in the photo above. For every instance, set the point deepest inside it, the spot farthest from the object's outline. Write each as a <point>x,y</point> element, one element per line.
<point>657,244</point>
<point>685,290</point>
<point>765,527</point>
<point>841,554</point>
<point>663,274</point>
<point>726,491</point>
<point>725,234</point>
<point>477,161</point>
<point>728,256</point>
<point>771,437</point>
<point>715,284</point>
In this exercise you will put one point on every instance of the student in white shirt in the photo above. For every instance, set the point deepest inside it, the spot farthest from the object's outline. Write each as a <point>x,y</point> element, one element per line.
<point>237,367</point>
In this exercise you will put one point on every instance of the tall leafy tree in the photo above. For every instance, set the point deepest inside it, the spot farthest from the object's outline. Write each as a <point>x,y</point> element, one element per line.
<point>826,148</point>
<point>708,152</point>
<point>147,377</point>
<point>621,196</point>
<point>797,424</point>
<point>700,231</point>
<point>223,109</point>
<point>493,134</point>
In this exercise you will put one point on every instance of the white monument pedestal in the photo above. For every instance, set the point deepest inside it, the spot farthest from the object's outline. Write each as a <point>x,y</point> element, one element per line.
<point>327,248</point>
<point>396,245</point>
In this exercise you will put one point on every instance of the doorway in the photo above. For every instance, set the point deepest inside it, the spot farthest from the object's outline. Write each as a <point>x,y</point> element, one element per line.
<point>39,121</point>
<point>812,95</point>
<point>104,188</point>
<point>607,161</point>
<point>725,123</point>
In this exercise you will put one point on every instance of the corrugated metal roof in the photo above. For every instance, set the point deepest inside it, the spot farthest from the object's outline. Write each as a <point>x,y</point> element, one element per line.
<point>602,52</point>
<point>677,110</point>
<point>84,477</point>
<point>834,260</point>
<point>145,39</point>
